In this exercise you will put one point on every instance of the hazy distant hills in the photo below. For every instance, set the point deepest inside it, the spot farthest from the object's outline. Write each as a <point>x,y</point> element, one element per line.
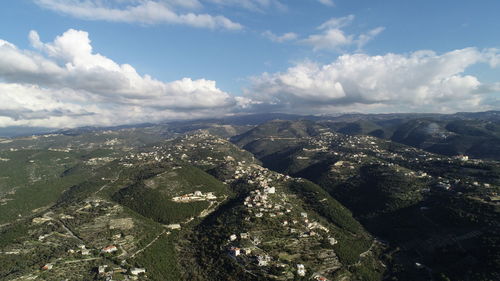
<point>475,134</point>
<point>180,126</point>
<point>280,129</point>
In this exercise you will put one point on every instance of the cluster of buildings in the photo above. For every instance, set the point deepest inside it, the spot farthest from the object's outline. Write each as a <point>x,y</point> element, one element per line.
<point>195,196</point>
<point>370,150</point>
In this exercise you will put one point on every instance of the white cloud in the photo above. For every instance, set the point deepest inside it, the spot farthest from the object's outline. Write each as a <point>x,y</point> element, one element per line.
<point>332,37</point>
<point>253,5</point>
<point>421,81</point>
<point>367,37</point>
<point>135,11</point>
<point>327,3</point>
<point>289,36</point>
<point>66,83</point>
<point>335,23</point>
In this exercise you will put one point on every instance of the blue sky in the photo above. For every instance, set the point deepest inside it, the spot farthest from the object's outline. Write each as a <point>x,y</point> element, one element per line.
<point>215,57</point>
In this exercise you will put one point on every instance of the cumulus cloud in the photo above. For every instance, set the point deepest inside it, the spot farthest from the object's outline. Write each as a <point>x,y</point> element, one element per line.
<point>67,84</point>
<point>139,11</point>
<point>333,37</point>
<point>289,36</point>
<point>420,81</point>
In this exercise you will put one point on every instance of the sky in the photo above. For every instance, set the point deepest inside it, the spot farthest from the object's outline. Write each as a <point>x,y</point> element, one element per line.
<point>71,63</point>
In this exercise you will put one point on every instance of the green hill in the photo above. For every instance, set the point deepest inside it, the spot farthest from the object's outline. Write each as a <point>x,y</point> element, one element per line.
<point>152,195</point>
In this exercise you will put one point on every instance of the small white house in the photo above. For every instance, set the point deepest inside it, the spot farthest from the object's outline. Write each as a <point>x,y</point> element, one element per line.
<point>137,271</point>
<point>301,270</point>
<point>102,269</point>
<point>174,226</point>
<point>235,251</point>
<point>270,190</point>
<point>263,260</point>
<point>48,266</point>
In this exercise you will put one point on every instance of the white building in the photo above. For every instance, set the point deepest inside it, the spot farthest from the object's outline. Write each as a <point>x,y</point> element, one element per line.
<point>270,190</point>
<point>137,271</point>
<point>174,226</point>
<point>263,260</point>
<point>235,251</point>
<point>102,269</point>
<point>301,270</point>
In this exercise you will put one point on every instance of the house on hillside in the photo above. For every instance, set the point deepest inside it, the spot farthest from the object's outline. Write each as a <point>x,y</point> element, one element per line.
<point>109,249</point>
<point>47,266</point>
<point>235,251</point>
<point>102,269</point>
<point>301,270</point>
<point>263,260</point>
<point>137,271</point>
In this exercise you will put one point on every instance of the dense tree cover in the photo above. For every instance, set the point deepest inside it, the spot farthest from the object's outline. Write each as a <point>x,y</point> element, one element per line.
<point>35,179</point>
<point>330,208</point>
<point>12,234</point>
<point>377,189</point>
<point>353,239</point>
<point>160,259</point>
<point>155,205</point>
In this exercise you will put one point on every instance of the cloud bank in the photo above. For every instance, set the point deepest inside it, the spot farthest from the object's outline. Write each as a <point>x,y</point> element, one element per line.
<point>66,84</point>
<point>420,81</point>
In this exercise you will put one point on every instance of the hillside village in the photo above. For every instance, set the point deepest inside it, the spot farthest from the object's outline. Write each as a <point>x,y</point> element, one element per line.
<point>353,151</point>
